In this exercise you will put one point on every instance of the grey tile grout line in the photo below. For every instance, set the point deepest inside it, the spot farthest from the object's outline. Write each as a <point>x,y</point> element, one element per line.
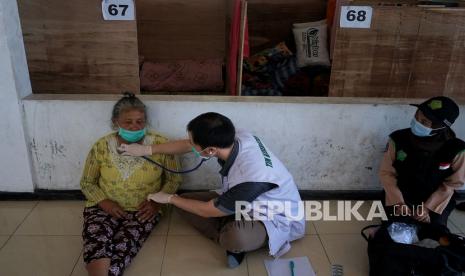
<point>166,241</point>
<point>3,245</point>
<point>75,264</point>
<point>166,244</point>
<point>326,253</point>
<point>341,234</point>
<point>170,219</point>
<point>247,264</point>
<point>314,226</point>
<point>48,235</point>
<point>19,225</point>
<point>323,245</point>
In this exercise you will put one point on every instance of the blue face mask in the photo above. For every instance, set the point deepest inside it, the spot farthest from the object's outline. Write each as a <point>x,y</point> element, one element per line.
<point>131,136</point>
<point>418,129</point>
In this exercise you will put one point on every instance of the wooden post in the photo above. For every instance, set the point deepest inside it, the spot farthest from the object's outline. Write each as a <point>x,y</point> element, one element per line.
<point>240,57</point>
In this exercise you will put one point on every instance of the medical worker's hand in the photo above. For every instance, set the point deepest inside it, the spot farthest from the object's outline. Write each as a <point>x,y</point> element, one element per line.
<point>112,208</point>
<point>147,210</point>
<point>135,149</point>
<point>161,197</point>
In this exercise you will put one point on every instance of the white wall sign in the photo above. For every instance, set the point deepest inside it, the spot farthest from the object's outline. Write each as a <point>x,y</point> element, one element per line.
<point>118,9</point>
<point>356,17</point>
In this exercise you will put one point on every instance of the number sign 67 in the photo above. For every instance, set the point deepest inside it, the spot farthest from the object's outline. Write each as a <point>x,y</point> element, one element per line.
<point>118,9</point>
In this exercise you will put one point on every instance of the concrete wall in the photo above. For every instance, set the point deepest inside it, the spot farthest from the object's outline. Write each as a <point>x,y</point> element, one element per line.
<point>325,146</point>
<point>327,143</point>
<point>15,168</point>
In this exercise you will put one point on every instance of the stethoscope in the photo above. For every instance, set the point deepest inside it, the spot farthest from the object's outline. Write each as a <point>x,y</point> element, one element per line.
<point>173,171</point>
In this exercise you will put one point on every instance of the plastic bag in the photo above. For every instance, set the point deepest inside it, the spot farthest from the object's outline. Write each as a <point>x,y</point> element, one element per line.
<point>403,232</point>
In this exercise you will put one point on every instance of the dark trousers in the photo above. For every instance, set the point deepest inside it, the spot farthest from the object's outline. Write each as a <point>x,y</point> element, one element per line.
<point>232,235</point>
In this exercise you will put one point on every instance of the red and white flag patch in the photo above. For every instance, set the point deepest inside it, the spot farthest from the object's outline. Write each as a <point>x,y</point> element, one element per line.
<point>444,166</point>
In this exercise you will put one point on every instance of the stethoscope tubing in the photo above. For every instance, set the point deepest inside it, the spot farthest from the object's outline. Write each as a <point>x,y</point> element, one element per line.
<point>173,171</point>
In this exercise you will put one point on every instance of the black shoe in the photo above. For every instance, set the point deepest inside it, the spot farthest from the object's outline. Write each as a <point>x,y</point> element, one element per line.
<point>460,206</point>
<point>234,259</point>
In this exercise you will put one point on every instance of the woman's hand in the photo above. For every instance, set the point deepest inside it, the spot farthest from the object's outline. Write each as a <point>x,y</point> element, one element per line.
<point>112,208</point>
<point>135,149</point>
<point>147,210</point>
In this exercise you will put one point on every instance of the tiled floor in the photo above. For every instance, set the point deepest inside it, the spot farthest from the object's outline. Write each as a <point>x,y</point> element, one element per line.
<point>43,238</point>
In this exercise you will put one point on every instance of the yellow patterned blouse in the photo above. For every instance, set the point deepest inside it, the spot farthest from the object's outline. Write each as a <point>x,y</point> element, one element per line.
<point>126,180</point>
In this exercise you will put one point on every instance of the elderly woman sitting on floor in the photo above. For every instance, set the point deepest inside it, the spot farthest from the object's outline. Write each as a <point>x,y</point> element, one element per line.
<point>117,217</point>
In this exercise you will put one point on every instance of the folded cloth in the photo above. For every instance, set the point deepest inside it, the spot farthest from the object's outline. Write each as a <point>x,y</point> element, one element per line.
<point>265,73</point>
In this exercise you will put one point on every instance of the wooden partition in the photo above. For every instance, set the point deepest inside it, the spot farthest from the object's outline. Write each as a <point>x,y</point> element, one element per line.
<point>181,29</point>
<point>71,49</point>
<point>171,30</point>
<point>409,52</point>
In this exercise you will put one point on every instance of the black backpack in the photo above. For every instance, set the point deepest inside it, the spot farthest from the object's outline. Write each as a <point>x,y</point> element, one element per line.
<point>388,258</point>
